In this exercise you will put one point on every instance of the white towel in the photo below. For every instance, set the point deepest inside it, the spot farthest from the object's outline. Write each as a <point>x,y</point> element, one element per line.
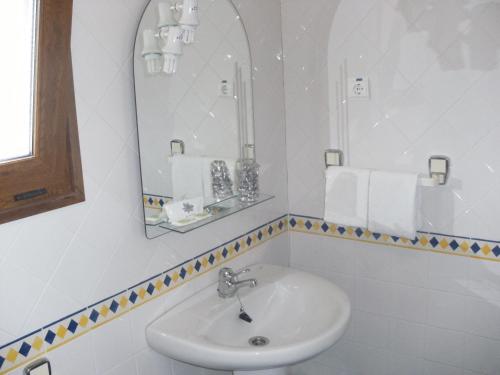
<point>346,198</point>
<point>393,204</point>
<point>187,177</point>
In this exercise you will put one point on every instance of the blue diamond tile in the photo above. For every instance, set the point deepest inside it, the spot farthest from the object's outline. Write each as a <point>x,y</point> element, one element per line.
<point>341,230</point>
<point>162,202</point>
<point>281,225</point>
<point>167,280</point>
<point>415,241</point>
<point>94,315</point>
<point>2,360</point>
<point>308,225</point>
<point>150,200</point>
<point>293,222</point>
<point>475,248</point>
<point>150,289</point>
<point>72,326</point>
<point>434,242</point>
<point>50,336</point>
<point>197,266</point>
<point>183,273</point>
<point>395,238</point>
<point>376,235</point>
<point>25,349</point>
<point>359,232</point>
<point>211,259</point>
<point>270,230</point>
<point>454,245</point>
<point>224,253</point>
<point>114,306</point>
<point>325,227</point>
<point>133,297</point>
<point>496,251</point>
<point>260,235</point>
<point>249,241</point>
<point>237,246</point>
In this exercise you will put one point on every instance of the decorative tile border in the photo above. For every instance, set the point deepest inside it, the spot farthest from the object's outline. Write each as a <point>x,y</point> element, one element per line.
<point>56,334</point>
<point>441,243</point>
<point>155,201</point>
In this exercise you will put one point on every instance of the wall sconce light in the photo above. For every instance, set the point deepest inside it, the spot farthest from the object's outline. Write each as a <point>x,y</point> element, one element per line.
<point>151,53</point>
<point>173,32</point>
<point>189,20</point>
<point>172,49</point>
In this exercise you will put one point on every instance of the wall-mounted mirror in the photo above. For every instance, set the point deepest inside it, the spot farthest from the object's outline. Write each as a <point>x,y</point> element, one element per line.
<point>193,83</point>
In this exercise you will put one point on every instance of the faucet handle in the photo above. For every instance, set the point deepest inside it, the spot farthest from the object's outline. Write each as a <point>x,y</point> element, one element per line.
<point>229,273</point>
<point>241,272</point>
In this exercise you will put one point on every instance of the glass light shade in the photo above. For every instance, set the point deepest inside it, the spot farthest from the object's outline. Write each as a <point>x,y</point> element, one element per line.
<point>153,63</point>
<point>172,49</point>
<point>189,20</point>
<point>165,15</point>
<point>151,52</point>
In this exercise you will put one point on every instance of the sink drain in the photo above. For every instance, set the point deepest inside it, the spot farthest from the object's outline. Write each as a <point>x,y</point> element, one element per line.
<point>258,341</point>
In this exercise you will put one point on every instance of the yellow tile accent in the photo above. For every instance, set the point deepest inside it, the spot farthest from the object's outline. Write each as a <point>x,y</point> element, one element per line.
<point>486,250</point>
<point>316,227</point>
<point>142,293</point>
<point>123,302</point>
<point>300,224</point>
<point>204,262</point>
<point>37,343</point>
<point>175,277</point>
<point>190,269</point>
<point>464,246</point>
<point>84,320</point>
<point>104,310</point>
<point>61,331</point>
<point>218,256</point>
<point>159,285</point>
<point>333,228</point>
<point>424,241</point>
<point>12,355</point>
<point>367,233</point>
<point>231,250</point>
<point>444,244</point>
<point>385,237</point>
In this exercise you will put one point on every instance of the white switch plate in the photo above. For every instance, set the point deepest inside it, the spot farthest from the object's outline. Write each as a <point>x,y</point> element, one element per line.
<point>358,87</point>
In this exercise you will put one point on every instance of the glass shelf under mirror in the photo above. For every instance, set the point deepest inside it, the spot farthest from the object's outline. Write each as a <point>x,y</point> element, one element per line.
<point>219,210</point>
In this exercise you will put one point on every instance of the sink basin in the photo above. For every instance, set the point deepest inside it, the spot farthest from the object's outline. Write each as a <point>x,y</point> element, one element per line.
<point>295,315</point>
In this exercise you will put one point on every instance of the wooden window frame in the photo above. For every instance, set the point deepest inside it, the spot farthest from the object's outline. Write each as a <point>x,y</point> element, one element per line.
<point>51,178</point>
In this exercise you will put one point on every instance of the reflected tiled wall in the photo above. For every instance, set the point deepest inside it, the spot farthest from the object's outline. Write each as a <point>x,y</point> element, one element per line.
<point>54,264</point>
<point>434,68</point>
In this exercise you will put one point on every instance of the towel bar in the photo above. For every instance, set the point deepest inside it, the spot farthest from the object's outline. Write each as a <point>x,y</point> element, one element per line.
<point>439,168</point>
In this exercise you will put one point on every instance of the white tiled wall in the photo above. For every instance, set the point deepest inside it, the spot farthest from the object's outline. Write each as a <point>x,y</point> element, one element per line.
<point>433,67</point>
<point>413,312</point>
<point>58,262</point>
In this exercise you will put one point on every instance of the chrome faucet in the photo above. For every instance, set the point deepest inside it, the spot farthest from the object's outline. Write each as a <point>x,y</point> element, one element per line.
<point>229,283</point>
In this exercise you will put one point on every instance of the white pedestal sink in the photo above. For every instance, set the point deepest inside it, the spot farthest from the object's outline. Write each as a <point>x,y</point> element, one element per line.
<point>295,315</point>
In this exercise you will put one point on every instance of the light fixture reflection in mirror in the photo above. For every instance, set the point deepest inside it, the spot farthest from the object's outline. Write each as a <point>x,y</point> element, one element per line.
<point>177,24</point>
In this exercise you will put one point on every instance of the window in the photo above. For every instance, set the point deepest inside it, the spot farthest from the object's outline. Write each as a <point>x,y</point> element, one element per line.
<point>40,166</point>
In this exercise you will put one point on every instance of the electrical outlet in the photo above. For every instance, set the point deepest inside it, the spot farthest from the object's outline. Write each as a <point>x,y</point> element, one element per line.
<point>358,87</point>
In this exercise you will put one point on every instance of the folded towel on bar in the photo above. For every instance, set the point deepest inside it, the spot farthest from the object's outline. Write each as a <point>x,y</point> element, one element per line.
<point>392,207</point>
<point>346,198</point>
